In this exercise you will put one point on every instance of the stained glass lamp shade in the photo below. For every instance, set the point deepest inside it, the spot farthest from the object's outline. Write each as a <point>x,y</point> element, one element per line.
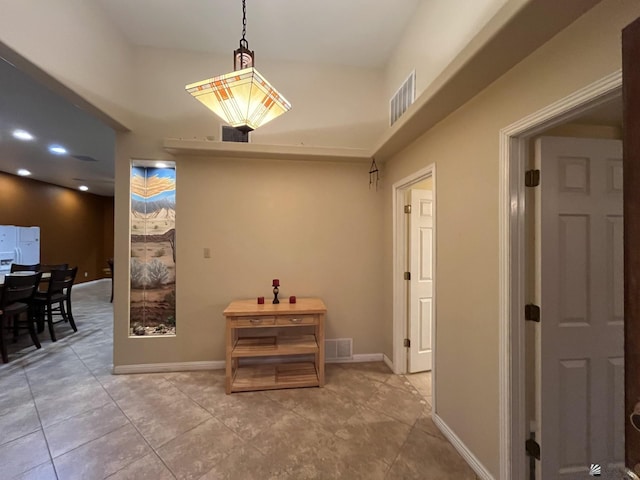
<point>243,98</point>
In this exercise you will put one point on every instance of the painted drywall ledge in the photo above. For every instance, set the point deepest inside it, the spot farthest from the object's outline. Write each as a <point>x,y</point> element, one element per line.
<point>77,45</point>
<point>250,150</point>
<point>516,30</point>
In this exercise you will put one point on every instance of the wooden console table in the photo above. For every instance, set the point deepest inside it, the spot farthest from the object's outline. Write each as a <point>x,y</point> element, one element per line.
<point>270,330</point>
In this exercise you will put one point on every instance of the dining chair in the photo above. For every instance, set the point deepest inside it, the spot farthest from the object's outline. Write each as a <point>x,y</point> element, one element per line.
<point>46,273</point>
<point>15,301</point>
<point>56,300</point>
<point>17,267</point>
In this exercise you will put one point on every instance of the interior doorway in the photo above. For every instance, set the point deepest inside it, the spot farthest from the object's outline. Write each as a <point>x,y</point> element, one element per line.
<point>420,261</point>
<point>515,283</point>
<point>414,252</point>
<point>575,376</point>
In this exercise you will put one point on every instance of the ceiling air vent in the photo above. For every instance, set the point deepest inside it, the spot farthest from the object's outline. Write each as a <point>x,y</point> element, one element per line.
<point>84,158</point>
<point>94,180</point>
<point>232,134</point>
<point>404,97</point>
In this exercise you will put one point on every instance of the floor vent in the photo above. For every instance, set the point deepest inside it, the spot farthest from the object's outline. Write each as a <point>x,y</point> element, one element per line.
<point>402,99</point>
<point>232,134</point>
<point>338,349</point>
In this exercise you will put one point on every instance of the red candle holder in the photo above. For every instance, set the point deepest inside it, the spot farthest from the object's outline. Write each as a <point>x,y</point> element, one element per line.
<point>260,300</point>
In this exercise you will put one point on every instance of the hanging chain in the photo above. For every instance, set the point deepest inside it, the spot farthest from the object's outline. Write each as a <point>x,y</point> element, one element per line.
<point>243,42</point>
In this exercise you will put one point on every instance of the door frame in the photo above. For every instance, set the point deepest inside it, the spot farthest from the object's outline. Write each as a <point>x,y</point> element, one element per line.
<point>512,281</point>
<point>400,240</point>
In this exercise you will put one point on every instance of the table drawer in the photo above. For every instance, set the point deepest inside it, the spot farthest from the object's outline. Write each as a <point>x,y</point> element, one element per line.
<point>257,321</point>
<point>297,320</point>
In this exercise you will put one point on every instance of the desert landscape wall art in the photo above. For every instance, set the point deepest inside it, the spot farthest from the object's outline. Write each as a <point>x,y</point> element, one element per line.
<point>153,251</point>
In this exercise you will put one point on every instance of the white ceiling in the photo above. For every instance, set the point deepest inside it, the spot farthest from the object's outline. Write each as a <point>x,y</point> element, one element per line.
<point>355,32</point>
<point>352,32</point>
<point>27,105</point>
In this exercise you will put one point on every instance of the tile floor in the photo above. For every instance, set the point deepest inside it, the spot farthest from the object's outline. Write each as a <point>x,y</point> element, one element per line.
<point>63,415</point>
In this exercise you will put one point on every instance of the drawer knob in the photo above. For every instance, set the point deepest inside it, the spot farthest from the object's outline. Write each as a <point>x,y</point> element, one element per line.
<point>295,320</point>
<point>256,320</point>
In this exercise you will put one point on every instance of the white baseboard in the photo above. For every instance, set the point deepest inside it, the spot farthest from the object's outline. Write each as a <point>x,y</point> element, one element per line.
<point>358,358</point>
<point>90,282</point>
<point>169,367</point>
<point>462,449</point>
<point>388,361</point>
<point>220,364</point>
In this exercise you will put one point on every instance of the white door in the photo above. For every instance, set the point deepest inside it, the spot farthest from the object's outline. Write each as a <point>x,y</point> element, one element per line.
<point>580,381</point>
<point>421,306</point>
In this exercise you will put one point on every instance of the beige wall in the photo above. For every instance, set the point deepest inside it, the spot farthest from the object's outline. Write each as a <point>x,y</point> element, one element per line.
<point>317,226</point>
<point>464,148</point>
<point>437,32</point>
<point>75,227</point>
<point>314,225</point>
<point>332,105</point>
<point>72,41</point>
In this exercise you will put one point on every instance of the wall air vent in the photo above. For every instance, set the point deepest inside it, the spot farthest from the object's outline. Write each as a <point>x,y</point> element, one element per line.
<point>232,134</point>
<point>337,349</point>
<point>402,99</point>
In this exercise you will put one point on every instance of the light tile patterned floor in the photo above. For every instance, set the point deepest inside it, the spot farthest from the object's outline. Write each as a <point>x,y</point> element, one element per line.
<point>63,415</point>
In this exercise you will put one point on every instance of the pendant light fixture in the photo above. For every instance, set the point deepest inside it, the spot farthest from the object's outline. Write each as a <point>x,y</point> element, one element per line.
<point>243,98</point>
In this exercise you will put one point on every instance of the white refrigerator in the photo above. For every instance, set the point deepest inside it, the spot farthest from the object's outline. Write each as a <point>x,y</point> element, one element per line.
<point>18,245</point>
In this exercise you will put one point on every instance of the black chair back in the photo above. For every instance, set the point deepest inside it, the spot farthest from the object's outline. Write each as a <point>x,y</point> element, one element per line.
<point>61,281</point>
<point>17,294</point>
<point>17,267</point>
<point>19,288</point>
<point>56,266</point>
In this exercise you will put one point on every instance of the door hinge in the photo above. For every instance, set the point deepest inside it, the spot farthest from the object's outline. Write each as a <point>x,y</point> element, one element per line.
<point>407,275</point>
<point>407,342</point>
<point>532,313</point>
<point>532,178</point>
<point>407,209</point>
<point>533,448</point>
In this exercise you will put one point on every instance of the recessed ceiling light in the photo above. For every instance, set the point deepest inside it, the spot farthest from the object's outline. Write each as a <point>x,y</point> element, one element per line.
<point>23,172</point>
<point>57,150</point>
<point>84,188</point>
<point>22,135</point>
<point>161,165</point>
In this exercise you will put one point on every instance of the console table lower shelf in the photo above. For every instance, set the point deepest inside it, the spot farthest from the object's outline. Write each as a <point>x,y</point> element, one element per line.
<point>274,376</point>
<point>290,335</point>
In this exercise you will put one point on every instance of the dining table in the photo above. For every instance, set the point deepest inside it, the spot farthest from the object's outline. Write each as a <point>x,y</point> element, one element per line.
<point>46,276</point>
